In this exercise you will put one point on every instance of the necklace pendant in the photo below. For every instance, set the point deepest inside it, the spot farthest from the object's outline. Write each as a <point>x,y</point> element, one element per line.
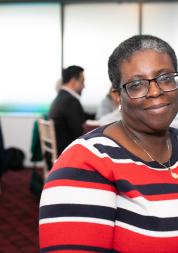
<point>174,175</point>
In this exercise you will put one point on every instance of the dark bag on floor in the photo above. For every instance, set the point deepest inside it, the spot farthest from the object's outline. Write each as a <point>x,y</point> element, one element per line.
<point>14,158</point>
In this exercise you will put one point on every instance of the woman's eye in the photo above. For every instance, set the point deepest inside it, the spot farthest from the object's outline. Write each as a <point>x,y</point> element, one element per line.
<point>166,79</point>
<point>136,85</point>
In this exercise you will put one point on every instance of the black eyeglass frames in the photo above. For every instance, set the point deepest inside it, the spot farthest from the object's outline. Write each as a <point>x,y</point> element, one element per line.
<point>139,88</point>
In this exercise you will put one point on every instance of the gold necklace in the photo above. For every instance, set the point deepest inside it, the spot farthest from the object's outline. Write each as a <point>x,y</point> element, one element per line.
<point>140,145</point>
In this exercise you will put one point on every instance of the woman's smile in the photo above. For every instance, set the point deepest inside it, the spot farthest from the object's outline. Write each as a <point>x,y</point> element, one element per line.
<point>158,108</point>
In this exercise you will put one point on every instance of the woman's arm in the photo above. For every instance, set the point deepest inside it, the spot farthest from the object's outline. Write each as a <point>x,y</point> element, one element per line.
<point>78,205</point>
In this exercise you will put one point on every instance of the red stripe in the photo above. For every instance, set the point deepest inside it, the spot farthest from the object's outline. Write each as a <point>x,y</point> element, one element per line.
<point>75,157</point>
<point>169,196</point>
<point>141,174</point>
<point>82,184</point>
<point>128,241</point>
<point>133,194</point>
<point>76,233</point>
<point>136,174</point>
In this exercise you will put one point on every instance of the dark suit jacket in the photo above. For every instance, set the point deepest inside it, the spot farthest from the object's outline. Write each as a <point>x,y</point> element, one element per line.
<point>68,116</point>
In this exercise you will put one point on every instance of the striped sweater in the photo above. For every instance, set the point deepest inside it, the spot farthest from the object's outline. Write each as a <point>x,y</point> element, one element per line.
<point>99,197</point>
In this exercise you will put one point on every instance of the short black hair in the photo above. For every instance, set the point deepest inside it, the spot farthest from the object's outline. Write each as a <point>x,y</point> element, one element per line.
<point>71,72</point>
<point>128,47</point>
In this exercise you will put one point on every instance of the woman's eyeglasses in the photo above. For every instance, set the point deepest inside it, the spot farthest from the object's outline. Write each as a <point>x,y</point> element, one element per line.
<point>139,88</point>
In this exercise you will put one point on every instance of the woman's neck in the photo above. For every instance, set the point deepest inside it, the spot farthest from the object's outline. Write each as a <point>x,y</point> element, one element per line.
<point>142,143</point>
<point>157,145</point>
<point>148,137</point>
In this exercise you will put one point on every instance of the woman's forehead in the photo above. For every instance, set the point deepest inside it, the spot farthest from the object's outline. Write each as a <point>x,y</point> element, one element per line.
<point>150,54</point>
<point>146,62</point>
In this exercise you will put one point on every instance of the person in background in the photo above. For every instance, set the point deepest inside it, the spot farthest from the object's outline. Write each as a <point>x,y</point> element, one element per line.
<point>66,109</point>
<point>110,117</point>
<point>114,115</point>
<point>106,106</point>
<point>115,189</point>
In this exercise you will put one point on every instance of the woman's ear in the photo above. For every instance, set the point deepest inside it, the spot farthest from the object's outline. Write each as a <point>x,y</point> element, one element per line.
<point>116,97</point>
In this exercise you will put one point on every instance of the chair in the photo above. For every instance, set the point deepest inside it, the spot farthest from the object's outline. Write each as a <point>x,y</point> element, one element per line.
<point>48,143</point>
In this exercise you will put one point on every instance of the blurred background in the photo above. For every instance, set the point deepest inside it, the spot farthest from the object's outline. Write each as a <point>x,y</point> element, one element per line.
<point>38,39</point>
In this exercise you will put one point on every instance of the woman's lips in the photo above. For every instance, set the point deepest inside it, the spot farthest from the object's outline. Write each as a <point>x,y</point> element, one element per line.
<point>157,107</point>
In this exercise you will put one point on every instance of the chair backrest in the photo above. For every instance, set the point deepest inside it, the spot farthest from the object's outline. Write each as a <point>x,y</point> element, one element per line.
<point>48,138</point>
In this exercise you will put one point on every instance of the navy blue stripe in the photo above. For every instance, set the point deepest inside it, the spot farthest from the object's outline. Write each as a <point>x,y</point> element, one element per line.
<point>98,132</point>
<point>113,152</point>
<point>154,189</point>
<point>77,247</point>
<point>125,186</point>
<point>77,210</point>
<point>148,189</point>
<point>77,174</point>
<point>147,222</point>
<point>119,152</point>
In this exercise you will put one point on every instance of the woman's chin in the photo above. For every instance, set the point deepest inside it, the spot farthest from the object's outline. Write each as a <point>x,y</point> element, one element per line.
<point>160,126</point>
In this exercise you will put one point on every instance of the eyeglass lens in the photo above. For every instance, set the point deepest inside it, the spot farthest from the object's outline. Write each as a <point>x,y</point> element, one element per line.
<point>139,88</point>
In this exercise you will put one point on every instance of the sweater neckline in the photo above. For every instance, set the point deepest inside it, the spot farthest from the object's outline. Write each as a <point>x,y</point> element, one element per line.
<point>154,164</point>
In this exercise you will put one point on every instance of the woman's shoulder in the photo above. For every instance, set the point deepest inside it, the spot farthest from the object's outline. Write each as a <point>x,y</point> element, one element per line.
<point>97,132</point>
<point>93,146</point>
<point>97,148</point>
<point>97,137</point>
<point>87,155</point>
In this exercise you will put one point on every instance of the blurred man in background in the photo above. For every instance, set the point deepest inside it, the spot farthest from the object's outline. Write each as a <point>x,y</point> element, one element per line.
<point>66,109</point>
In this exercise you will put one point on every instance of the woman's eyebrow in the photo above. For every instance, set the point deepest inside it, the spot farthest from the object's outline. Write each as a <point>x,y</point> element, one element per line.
<point>135,78</point>
<point>155,74</point>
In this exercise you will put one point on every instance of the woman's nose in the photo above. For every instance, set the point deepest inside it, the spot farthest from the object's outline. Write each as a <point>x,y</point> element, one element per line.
<point>154,89</point>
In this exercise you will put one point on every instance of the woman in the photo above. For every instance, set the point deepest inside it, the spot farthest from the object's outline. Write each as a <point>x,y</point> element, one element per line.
<point>116,188</point>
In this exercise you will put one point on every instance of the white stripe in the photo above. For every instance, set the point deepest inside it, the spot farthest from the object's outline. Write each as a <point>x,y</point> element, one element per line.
<point>142,206</point>
<point>100,140</point>
<point>77,219</point>
<point>77,195</point>
<point>89,144</point>
<point>103,141</point>
<point>147,232</point>
<point>174,166</point>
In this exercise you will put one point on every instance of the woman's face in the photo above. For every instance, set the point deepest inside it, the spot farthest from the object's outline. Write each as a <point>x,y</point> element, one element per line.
<point>157,109</point>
